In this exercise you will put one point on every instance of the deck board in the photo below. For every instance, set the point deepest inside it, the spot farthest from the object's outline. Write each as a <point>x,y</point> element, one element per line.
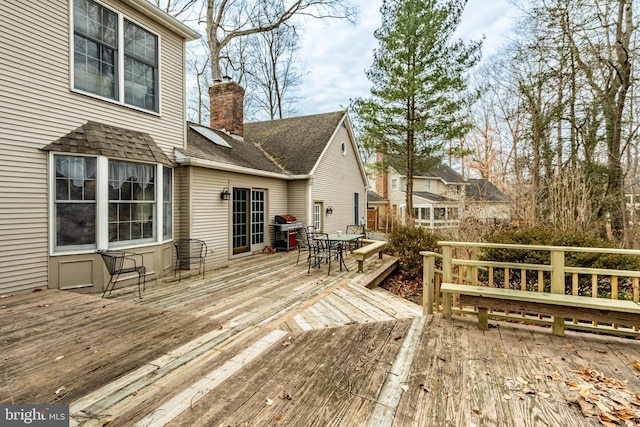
<point>324,349</point>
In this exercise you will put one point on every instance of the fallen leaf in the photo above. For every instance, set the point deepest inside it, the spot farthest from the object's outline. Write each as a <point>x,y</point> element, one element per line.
<point>506,397</point>
<point>522,380</point>
<point>547,360</point>
<point>44,305</point>
<point>424,387</point>
<point>636,365</point>
<point>476,410</point>
<point>269,402</point>
<point>60,390</point>
<point>286,343</point>
<point>585,391</point>
<point>279,417</point>
<point>568,345</point>
<point>586,407</point>
<point>58,358</point>
<point>398,337</point>
<point>404,387</point>
<point>529,391</point>
<point>543,394</point>
<point>107,422</point>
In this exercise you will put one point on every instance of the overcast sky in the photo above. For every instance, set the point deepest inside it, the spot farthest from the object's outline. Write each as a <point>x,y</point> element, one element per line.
<point>337,54</point>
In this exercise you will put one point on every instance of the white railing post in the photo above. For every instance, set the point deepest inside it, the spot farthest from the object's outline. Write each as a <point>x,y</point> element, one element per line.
<point>557,286</point>
<point>428,281</point>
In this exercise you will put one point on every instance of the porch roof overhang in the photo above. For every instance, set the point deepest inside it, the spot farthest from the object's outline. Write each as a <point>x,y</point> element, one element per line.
<point>185,160</point>
<point>435,198</point>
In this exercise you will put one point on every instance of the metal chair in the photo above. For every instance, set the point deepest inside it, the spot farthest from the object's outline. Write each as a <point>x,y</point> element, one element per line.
<point>304,243</point>
<point>188,251</point>
<point>122,262</point>
<point>322,249</point>
<point>355,229</point>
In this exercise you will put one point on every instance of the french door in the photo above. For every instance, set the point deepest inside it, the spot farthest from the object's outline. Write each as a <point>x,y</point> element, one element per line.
<point>248,220</point>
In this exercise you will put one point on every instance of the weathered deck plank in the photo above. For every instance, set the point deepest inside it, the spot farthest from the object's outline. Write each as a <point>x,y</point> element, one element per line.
<point>212,351</point>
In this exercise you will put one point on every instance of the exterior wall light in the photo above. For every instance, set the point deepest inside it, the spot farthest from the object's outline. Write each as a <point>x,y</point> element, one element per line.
<point>225,195</point>
<point>329,210</point>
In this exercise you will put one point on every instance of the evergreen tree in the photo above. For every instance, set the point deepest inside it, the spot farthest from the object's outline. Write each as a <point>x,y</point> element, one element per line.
<point>419,97</point>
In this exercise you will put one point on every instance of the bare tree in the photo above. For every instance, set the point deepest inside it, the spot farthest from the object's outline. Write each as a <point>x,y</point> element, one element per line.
<point>227,20</point>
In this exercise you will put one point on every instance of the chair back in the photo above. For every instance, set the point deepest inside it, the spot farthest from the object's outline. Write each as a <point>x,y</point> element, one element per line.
<point>113,261</point>
<point>355,229</point>
<point>302,238</point>
<point>190,248</point>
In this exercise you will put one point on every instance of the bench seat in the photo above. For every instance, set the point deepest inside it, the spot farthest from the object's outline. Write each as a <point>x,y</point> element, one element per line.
<point>370,247</point>
<point>559,306</point>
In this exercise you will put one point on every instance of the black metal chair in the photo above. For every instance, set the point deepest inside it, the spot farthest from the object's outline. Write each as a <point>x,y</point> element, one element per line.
<point>322,249</point>
<point>303,240</point>
<point>355,229</point>
<point>122,262</point>
<point>187,252</point>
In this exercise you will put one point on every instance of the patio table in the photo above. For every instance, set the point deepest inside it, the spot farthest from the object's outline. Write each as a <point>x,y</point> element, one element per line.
<point>341,239</point>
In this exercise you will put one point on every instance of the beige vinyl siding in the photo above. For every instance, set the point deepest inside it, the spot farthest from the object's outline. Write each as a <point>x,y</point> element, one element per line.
<point>38,107</point>
<point>211,216</point>
<point>298,205</point>
<point>337,178</point>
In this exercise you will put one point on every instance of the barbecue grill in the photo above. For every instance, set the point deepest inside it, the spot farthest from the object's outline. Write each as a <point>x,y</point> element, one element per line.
<point>285,227</point>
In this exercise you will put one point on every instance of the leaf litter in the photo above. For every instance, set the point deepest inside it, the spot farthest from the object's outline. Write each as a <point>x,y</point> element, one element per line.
<point>607,399</point>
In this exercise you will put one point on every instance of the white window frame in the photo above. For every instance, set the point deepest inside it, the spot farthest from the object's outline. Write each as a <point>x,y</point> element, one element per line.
<point>394,183</point>
<point>102,209</point>
<point>427,185</point>
<point>119,61</point>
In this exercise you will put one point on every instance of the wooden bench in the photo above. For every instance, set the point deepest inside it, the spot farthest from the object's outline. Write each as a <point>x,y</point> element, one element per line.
<point>371,247</point>
<point>559,306</point>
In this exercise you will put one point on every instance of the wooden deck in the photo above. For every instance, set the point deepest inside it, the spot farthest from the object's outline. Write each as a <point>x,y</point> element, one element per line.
<point>263,343</point>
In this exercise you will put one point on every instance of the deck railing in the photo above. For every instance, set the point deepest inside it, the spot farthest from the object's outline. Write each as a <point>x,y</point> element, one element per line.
<point>459,263</point>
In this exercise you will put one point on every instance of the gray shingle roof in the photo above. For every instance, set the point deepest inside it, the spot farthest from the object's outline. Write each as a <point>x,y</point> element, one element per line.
<point>432,197</point>
<point>294,143</point>
<point>374,197</point>
<point>110,141</point>
<point>242,153</point>
<point>481,190</point>
<point>446,174</point>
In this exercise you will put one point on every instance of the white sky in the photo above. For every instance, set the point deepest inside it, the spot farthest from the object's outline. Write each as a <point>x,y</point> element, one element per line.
<point>337,54</point>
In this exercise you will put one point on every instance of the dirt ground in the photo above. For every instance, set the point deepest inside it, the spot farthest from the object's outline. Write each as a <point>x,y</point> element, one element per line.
<point>410,289</point>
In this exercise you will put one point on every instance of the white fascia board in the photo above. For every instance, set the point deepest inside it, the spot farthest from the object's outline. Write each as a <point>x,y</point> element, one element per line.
<point>168,21</point>
<point>181,159</point>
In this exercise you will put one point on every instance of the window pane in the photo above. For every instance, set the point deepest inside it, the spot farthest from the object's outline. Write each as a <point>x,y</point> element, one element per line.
<point>131,201</point>
<point>95,47</point>
<point>140,67</point>
<point>75,222</point>
<point>167,210</point>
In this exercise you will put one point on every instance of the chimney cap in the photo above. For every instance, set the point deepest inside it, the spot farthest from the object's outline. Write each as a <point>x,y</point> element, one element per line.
<point>226,79</point>
<point>217,81</point>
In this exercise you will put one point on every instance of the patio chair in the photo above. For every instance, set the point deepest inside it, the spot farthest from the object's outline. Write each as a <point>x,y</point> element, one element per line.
<point>322,249</point>
<point>355,229</point>
<point>187,252</point>
<point>303,241</point>
<point>122,262</point>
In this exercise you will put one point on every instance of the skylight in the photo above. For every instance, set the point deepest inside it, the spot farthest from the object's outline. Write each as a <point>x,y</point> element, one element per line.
<point>211,136</point>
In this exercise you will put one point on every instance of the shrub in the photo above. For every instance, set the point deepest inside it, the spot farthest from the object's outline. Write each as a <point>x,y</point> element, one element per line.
<point>406,243</point>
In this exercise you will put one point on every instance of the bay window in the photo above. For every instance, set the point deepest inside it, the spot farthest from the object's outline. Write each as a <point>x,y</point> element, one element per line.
<point>113,57</point>
<point>129,193</point>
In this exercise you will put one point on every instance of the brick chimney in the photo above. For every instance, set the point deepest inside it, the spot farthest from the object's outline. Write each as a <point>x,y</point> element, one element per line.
<point>382,178</point>
<point>226,100</point>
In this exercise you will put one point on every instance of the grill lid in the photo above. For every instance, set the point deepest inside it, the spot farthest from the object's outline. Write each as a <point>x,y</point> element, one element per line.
<point>285,219</point>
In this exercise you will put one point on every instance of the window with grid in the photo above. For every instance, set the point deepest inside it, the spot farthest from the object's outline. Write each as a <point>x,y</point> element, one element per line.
<point>127,74</point>
<point>75,202</point>
<point>257,217</point>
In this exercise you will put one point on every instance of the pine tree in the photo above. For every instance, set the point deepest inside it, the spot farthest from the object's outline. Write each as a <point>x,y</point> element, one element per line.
<point>420,96</point>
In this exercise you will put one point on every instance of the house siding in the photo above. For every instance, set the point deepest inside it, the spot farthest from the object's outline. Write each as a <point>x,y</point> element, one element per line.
<point>336,180</point>
<point>211,216</point>
<point>299,201</point>
<point>38,107</point>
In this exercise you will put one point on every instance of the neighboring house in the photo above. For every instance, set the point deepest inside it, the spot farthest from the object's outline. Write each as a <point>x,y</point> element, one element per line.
<point>441,198</point>
<point>93,102</point>
<point>485,203</point>
<point>438,196</point>
<point>307,167</point>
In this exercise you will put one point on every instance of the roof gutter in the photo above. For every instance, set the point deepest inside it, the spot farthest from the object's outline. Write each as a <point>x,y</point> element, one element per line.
<point>182,159</point>
<point>164,18</point>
